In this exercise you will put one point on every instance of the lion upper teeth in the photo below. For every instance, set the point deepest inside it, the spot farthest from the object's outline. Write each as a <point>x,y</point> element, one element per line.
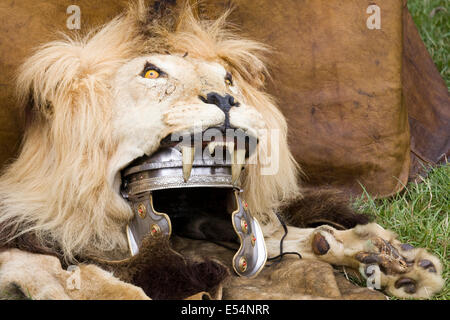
<point>188,160</point>
<point>230,148</point>
<point>237,158</point>
<point>238,164</point>
<point>214,144</point>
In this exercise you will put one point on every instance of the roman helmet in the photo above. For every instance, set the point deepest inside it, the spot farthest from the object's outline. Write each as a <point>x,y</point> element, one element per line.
<point>213,170</point>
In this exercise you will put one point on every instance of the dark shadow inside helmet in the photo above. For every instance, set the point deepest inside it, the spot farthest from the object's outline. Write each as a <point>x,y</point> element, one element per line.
<point>199,213</point>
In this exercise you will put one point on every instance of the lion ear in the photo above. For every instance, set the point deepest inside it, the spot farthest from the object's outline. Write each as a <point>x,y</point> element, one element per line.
<point>154,15</point>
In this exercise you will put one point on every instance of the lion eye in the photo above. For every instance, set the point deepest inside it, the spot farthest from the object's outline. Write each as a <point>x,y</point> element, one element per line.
<point>229,79</point>
<point>151,74</point>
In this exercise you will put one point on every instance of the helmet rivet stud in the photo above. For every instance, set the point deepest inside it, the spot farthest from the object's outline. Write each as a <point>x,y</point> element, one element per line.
<point>253,240</point>
<point>155,230</point>
<point>243,264</point>
<point>142,210</point>
<point>244,225</point>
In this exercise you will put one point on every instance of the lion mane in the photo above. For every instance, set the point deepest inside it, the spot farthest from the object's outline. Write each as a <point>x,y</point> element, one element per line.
<point>59,195</point>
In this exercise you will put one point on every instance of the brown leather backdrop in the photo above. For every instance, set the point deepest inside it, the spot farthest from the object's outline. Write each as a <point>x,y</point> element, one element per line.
<point>427,99</point>
<point>346,90</point>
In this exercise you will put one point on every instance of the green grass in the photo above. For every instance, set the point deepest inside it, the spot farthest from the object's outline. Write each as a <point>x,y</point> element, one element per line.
<point>419,215</point>
<point>432,18</point>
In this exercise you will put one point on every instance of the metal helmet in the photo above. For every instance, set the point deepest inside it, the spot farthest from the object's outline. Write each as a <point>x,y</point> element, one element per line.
<point>176,167</point>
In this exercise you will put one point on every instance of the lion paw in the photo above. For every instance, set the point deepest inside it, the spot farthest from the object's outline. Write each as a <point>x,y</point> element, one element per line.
<point>26,275</point>
<point>386,263</point>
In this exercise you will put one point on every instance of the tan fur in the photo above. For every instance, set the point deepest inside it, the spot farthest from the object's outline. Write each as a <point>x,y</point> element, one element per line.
<point>40,277</point>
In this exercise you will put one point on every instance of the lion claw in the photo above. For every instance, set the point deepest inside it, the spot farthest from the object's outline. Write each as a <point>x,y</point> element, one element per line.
<point>407,247</point>
<point>368,258</point>
<point>391,263</point>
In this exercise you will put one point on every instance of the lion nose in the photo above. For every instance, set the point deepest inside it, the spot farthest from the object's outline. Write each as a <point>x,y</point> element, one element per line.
<point>224,103</point>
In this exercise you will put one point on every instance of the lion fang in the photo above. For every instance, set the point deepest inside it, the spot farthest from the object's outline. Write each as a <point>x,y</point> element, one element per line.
<point>188,160</point>
<point>238,164</point>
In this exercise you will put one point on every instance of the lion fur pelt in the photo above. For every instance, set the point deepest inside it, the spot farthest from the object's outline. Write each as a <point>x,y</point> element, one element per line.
<point>180,267</point>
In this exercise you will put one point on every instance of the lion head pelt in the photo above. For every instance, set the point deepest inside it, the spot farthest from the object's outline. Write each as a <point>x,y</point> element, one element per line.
<point>90,112</point>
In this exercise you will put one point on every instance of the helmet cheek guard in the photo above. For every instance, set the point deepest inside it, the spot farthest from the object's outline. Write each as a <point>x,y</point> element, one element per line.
<point>252,253</point>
